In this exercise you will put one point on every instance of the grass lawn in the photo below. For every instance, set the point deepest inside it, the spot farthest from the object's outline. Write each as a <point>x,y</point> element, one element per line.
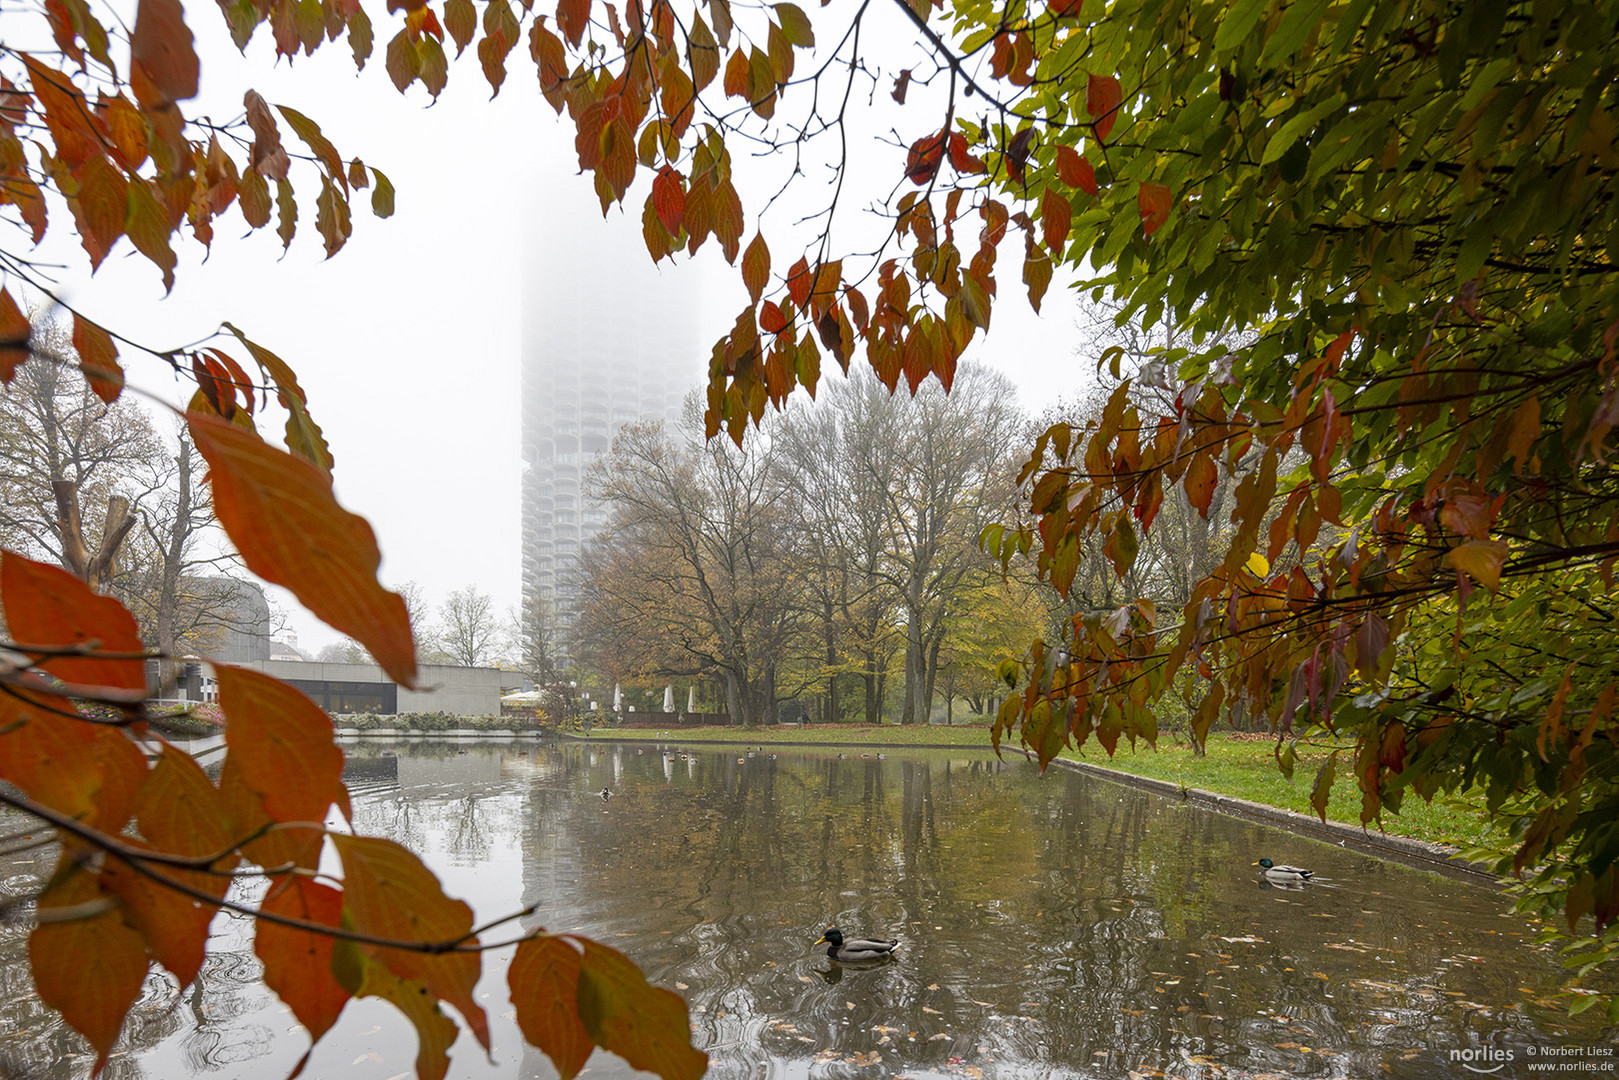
<point>1238,766</point>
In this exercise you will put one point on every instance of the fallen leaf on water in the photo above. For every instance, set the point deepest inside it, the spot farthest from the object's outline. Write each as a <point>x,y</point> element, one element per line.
<point>805,978</point>
<point>681,986</point>
<point>371,1056</point>
<point>935,1012</point>
<point>933,986</point>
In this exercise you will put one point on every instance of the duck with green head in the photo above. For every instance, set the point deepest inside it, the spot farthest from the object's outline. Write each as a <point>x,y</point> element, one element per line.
<point>853,950</point>
<point>1274,872</point>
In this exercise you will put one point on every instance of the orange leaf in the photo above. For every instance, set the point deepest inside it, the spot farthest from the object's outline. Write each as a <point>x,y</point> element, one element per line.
<point>180,813</point>
<point>771,320</point>
<point>15,333</point>
<point>798,282</point>
<point>1155,201</point>
<point>98,359</point>
<point>1200,480</point>
<point>281,745</point>
<point>738,73</point>
<point>389,893</point>
<point>281,514</point>
<point>160,46</point>
<point>544,981</point>
<point>647,1026</point>
<point>1102,100</point>
<point>87,963</point>
<point>756,267</point>
<point>46,605</point>
<point>298,963</point>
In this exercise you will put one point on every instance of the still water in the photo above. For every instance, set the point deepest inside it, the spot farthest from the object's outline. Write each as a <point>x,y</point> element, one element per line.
<point>1052,927</point>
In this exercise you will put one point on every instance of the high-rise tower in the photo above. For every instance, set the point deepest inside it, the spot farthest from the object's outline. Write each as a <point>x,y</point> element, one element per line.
<point>608,339</point>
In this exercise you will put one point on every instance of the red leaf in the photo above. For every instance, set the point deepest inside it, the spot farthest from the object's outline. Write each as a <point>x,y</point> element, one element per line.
<point>1155,201</point>
<point>160,46</point>
<point>280,512</point>
<point>544,981</point>
<point>1056,216</point>
<point>960,159</point>
<point>1065,9</point>
<point>922,163</point>
<point>1075,171</point>
<point>1102,100</point>
<point>573,16</point>
<point>669,199</point>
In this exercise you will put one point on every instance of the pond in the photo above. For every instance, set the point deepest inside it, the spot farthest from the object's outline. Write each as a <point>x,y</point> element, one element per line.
<point>1051,927</point>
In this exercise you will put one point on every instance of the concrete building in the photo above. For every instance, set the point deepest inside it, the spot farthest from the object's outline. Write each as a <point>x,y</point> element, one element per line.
<point>364,688</point>
<point>608,339</point>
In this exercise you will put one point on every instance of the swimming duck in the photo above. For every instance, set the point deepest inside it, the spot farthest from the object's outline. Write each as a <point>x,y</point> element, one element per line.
<point>855,949</point>
<point>1284,873</point>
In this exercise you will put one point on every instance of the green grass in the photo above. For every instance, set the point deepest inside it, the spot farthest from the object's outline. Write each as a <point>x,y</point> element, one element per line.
<point>1243,768</point>
<point>1247,769</point>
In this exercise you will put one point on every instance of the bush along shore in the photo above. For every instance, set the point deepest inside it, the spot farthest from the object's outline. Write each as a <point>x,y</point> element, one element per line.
<point>1236,764</point>
<point>430,723</point>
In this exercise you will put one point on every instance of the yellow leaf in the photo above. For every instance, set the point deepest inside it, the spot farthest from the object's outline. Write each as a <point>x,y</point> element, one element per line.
<point>1480,560</point>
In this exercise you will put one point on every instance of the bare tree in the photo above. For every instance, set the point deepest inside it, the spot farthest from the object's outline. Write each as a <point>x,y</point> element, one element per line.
<point>65,460</point>
<point>468,630</point>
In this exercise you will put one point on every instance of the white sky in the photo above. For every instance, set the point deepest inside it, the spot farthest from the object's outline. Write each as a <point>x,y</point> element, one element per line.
<point>407,342</point>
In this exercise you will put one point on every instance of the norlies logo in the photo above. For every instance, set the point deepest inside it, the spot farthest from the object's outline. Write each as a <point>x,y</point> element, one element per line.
<point>1485,1056</point>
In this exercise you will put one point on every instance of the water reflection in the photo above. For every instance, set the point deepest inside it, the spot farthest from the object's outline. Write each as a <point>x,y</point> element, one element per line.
<point>1057,927</point>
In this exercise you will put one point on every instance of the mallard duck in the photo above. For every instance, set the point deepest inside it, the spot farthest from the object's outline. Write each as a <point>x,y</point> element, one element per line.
<point>855,949</point>
<point>1283,873</point>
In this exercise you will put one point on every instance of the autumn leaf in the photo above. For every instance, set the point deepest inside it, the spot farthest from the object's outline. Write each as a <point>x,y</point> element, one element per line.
<point>1065,9</point>
<point>1076,171</point>
<point>98,359</point>
<point>298,963</point>
<point>179,812</point>
<point>922,161</point>
<point>87,963</point>
<point>1056,216</point>
<point>1201,478</point>
<point>389,893</point>
<point>669,199</point>
<point>46,605</point>
<point>435,1032</point>
<point>647,1026</point>
<point>161,47</point>
<point>1480,560</point>
<point>1102,100</point>
<point>544,981</point>
<point>573,17</point>
<point>756,267</point>
<point>280,512</point>
<point>1154,201</point>
<point>15,335</point>
<point>281,744</point>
